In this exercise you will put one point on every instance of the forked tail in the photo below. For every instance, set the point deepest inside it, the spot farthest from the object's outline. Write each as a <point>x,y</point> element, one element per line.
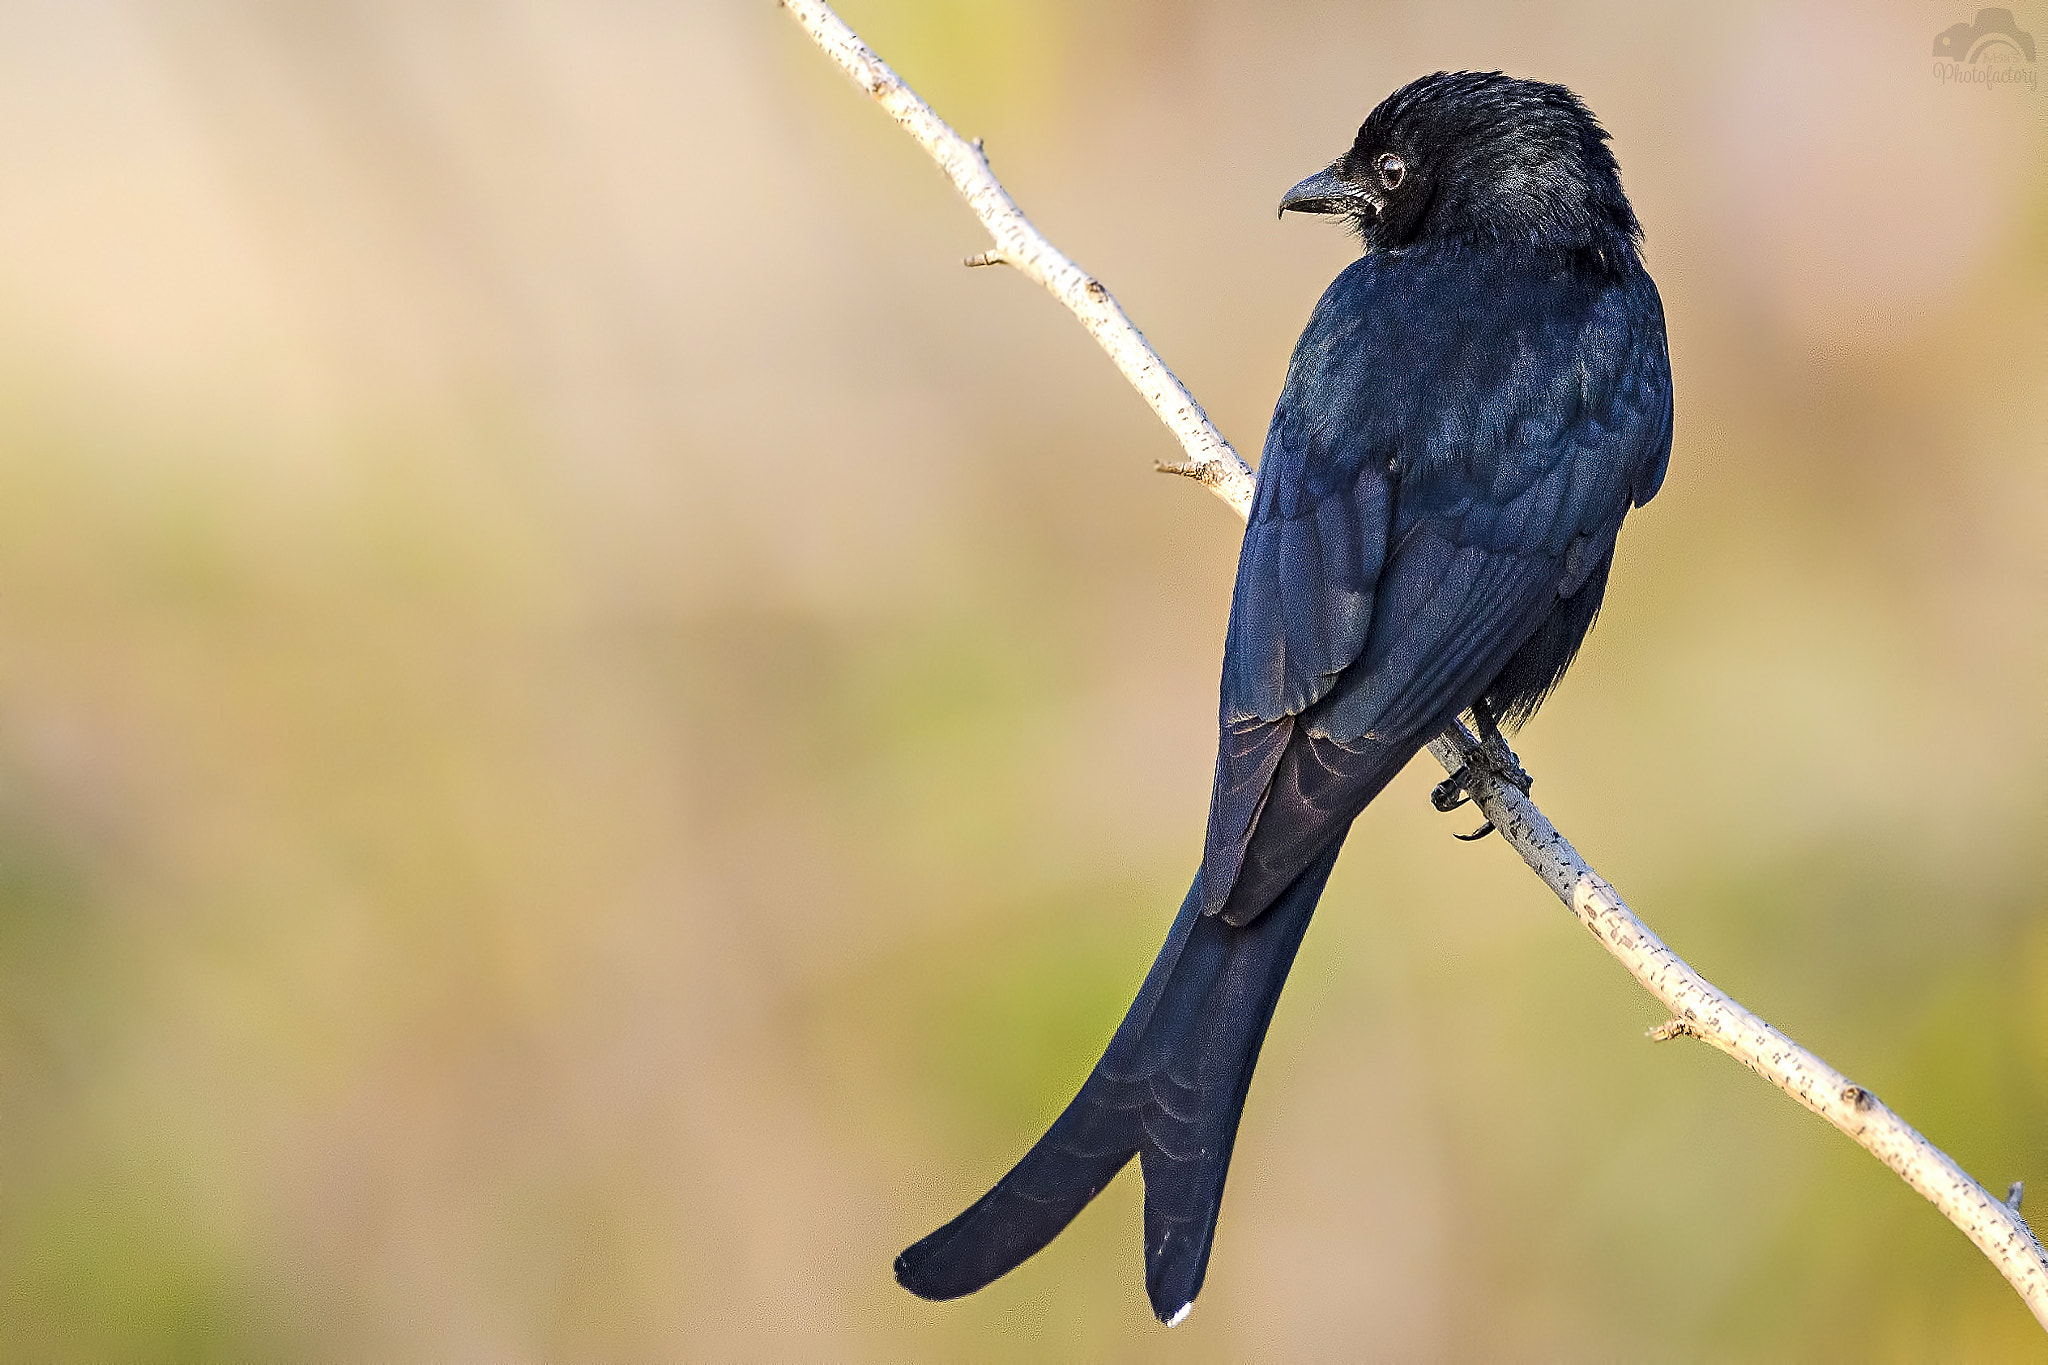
<point>1169,1091</point>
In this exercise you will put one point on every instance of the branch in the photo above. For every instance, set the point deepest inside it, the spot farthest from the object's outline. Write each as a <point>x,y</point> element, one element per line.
<point>1211,461</point>
<point>1699,1008</point>
<point>1702,1010</point>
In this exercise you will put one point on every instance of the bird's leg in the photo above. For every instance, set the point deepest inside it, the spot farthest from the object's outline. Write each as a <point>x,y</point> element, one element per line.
<point>1494,753</point>
<point>1492,756</point>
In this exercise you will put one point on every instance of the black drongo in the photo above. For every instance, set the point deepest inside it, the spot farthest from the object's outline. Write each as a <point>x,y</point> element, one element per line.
<point>1475,405</point>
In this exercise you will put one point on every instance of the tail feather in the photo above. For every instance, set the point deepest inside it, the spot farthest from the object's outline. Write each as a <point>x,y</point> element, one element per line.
<point>1169,1090</point>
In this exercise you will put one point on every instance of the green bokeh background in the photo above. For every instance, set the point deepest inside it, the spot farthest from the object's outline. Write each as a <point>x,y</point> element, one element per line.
<point>593,735</point>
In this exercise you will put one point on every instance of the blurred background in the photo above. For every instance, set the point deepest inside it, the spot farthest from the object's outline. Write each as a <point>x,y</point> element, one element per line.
<point>594,735</point>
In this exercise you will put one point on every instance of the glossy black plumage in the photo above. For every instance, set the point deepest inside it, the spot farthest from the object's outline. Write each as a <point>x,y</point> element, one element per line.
<point>1473,408</point>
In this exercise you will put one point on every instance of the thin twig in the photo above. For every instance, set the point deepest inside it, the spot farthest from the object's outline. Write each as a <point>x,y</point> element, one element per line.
<point>1704,1011</point>
<point>1701,1009</point>
<point>1022,246</point>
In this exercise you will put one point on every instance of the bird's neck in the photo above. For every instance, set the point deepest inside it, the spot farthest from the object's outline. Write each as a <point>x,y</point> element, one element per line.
<point>1601,254</point>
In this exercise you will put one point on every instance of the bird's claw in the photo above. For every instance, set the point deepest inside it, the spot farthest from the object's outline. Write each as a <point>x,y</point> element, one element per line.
<point>1452,793</point>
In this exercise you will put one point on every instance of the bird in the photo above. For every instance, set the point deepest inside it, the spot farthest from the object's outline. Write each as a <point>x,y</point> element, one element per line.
<point>1476,403</point>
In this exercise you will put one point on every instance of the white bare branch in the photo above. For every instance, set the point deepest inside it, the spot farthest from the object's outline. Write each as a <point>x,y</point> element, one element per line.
<point>1211,461</point>
<point>1700,1009</point>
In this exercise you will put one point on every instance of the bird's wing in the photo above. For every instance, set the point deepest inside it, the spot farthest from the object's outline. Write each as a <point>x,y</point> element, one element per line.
<point>1314,545</point>
<point>1373,605</point>
<point>1306,579</point>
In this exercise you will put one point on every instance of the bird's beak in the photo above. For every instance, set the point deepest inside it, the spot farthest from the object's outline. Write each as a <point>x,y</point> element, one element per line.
<point>1327,192</point>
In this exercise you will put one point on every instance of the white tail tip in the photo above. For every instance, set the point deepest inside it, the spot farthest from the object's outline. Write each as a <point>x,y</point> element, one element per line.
<point>1182,1316</point>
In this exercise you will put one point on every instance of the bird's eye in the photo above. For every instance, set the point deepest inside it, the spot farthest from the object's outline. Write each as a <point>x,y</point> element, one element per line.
<point>1393,170</point>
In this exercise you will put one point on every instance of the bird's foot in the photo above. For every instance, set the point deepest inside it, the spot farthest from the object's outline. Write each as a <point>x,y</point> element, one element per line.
<point>1491,757</point>
<point>1493,753</point>
<point>1497,758</point>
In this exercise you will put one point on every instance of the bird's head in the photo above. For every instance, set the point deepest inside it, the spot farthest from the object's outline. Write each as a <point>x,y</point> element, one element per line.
<point>1481,158</point>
